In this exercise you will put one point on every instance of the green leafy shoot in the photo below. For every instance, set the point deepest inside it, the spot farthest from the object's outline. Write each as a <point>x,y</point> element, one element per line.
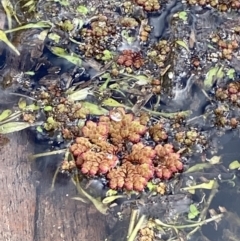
<point>212,75</point>
<point>107,55</point>
<point>193,212</point>
<point>183,15</point>
<point>231,73</point>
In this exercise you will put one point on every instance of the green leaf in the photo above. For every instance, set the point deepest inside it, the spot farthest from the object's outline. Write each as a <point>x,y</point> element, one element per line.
<point>32,107</point>
<point>191,216</point>
<point>231,73</point>
<point>102,208</point>
<point>212,75</point>
<point>31,73</point>
<point>39,129</point>
<point>22,104</point>
<point>5,114</point>
<point>4,38</point>
<point>82,9</point>
<point>94,109</point>
<point>182,44</point>
<point>79,94</point>
<point>215,160</point>
<point>111,102</point>
<point>198,167</point>
<point>209,185</point>
<point>73,58</point>
<point>11,127</point>
<point>41,24</point>
<point>111,192</point>
<point>234,165</point>
<point>193,209</point>
<point>112,198</point>
<point>55,37</point>
<point>48,108</point>
<point>183,15</point>
<point>151,186</point>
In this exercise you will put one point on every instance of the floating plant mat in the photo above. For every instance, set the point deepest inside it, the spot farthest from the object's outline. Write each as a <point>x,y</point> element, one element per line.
<point>135,96</point>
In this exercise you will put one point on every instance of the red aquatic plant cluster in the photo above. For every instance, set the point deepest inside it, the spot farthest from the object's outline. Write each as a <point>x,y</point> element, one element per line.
<point>142,164</point>
<point>104,150</point>
<point>129,58</point>
<point>167,161</point>
<point>130,177</point>
<point>93,159</point>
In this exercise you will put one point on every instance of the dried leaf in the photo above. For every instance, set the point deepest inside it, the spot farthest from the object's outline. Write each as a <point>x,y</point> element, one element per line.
<point>11,127</point>
<point>192,39</point>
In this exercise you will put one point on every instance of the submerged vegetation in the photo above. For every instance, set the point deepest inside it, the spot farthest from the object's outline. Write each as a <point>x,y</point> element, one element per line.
<point>136,96</point>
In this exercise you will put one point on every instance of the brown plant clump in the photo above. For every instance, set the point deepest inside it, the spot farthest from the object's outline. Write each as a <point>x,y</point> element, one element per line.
<point>129,58</point>
<point>123,126</point>
<point>149,5</point>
